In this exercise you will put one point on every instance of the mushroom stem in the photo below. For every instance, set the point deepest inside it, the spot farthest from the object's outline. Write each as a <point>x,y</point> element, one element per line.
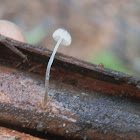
<point>61,36</point>
<point>48,71</point>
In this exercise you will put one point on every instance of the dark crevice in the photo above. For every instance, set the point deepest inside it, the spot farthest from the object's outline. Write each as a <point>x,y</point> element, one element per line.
<point>34,132</point>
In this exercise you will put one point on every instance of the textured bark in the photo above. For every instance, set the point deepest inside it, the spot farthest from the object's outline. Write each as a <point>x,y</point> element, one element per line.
<point>8,134</point>
<point>85,101</point>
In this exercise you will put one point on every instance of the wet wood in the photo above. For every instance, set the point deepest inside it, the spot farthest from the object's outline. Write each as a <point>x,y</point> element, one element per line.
<point>72,71</point>
<point>85,101</point>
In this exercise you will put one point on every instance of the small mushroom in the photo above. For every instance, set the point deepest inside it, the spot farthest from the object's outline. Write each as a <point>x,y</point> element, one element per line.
<point>61,36</point>
<point>11,30</point>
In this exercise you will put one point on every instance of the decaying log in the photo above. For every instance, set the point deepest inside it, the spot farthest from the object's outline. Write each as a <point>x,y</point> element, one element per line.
<point>72,71</point>
<point>8,134</point>
<point>85,101</point>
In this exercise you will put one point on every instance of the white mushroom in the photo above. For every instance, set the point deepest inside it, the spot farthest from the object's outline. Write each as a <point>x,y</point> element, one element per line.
<point>61,36</point>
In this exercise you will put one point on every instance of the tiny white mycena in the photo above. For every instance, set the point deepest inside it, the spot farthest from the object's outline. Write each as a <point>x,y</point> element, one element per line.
<point>61,36</point>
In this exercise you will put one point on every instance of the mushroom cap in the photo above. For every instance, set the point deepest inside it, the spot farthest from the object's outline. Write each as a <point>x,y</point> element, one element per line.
<point>63,34</point>
<point>11,30</point>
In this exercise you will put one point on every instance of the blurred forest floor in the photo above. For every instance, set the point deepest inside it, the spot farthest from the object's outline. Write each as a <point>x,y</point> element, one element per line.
<point>105,31</point>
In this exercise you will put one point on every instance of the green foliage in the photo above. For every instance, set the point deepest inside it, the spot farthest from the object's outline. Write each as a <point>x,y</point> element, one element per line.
<point>35,35</point>
<point>111,61</point>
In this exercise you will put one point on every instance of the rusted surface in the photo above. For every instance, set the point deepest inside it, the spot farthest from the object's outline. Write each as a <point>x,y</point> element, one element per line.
<point>8,134</point>
<point>79,106</point>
